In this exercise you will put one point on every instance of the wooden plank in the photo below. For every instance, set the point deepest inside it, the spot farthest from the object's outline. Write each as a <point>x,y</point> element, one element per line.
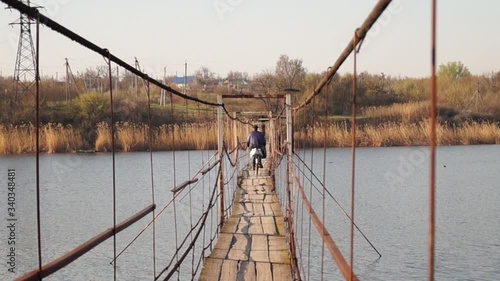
<point>241,242</point>
<point>252,244</point>
<point>238,208</point>
<point>267,220</point>
<point>247,271</point>
<point>248,207</point>
<point>259,243</point>
<point>263,271</point>
<point>277,243</point>
<point>276,209</point>
<point>255,220</point>
<point>219,253</point>
<point>282,272</point>
<point>255,229</point>
<point>211,269</point>
<point>230,226</point>
<point>259,256</point>
<point>279,257</point>
<point>224,241</point>
<point>270,198</point>
<point>258,209</point>
<point>238,255</point>
<point>229,270</point>
<point>268,211</point>
<point>269,229</point>
<point>280,225</point>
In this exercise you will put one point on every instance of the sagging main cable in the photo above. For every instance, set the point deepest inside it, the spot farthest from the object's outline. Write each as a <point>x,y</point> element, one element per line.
<point>360,34</point>
<point>32,12</point>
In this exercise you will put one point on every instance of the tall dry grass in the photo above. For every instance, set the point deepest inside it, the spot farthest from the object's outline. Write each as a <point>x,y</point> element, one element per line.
<point>58,138</point>
<point>398,134</point>
<point>54,138</point>
<point>404,112</point>
<point>135,137</point>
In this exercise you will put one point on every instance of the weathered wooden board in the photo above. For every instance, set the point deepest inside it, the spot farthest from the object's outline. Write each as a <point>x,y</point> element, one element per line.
<point>251,245</point>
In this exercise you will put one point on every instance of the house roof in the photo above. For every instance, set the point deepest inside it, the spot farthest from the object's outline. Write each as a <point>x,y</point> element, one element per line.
<point>180,80</point>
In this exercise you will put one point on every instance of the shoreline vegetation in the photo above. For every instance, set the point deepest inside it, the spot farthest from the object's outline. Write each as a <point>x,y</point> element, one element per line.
<point>56,138</point>
<point>393,111</point>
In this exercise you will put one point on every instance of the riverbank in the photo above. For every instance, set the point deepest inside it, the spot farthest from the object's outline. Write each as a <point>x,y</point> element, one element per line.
<point>56,138</point>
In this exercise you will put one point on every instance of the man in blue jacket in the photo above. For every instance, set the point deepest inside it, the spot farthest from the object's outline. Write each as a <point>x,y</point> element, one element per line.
<point>257,140</point>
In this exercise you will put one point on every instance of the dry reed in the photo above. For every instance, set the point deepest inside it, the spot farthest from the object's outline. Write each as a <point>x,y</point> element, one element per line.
<point>398,134</point>
<point>135,137</point>
<point>405,112</point>
<point>54,138</point>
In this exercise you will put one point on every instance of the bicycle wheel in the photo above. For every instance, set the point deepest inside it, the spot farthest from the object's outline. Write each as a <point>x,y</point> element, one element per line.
<point>256,164</point>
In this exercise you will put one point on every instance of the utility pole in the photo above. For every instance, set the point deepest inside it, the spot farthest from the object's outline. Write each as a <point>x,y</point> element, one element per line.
<point>138,67</point>
<point>163,97</point>
<point>24,73</point>
<point>478,96</point>
<point>66,64</point>
<point>185,75</point>
<point>117,78</point>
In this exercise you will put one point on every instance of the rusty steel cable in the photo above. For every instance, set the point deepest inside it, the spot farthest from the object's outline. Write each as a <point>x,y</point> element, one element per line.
<point>311,144</point>
<point>108,61</point>
<point>353,144</point>
<point>203,219</point>
<point>189,191</point>
<point>37,121</point>
<point>337,256</point>
<point>323,209</point>
<point>361,33</point>
<point>432,143</point>
<point>157,215</point>
<point>174,175</point>
<point>336,202</point>
<point>32,12</point>
<point>151,171</point>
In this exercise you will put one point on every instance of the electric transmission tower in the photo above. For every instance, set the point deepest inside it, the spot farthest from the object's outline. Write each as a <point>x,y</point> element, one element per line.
<point>24,73</point>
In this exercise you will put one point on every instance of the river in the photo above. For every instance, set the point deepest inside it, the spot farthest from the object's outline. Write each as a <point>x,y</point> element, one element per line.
<point>391,209</point>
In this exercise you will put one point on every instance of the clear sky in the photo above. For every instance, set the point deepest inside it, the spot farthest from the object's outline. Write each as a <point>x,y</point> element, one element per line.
<point>250,35</point>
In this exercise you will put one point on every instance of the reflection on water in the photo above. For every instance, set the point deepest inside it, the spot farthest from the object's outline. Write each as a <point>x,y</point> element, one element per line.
<point>391,209</point>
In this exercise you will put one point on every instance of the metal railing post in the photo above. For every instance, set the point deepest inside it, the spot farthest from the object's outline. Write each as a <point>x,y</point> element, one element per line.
<point>220,138</point>
<point>289,203</point>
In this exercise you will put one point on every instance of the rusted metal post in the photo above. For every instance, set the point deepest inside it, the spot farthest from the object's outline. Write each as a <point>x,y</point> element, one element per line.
<point>220,138</point>
<point>289,203</point>
<point>432,140</point>
<point>272,134</point>
<point>37,83</point>
<point>237,149</point>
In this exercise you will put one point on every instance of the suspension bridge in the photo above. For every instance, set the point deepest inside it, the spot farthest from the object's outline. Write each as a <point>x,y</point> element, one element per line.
<point>245,225</point>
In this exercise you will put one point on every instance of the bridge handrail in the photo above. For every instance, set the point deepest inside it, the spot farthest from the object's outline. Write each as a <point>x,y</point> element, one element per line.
<point>83,248</point>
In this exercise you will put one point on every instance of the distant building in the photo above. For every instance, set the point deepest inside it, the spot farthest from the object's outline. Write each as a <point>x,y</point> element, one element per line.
<point>179,81</point>
<point>237,85</point>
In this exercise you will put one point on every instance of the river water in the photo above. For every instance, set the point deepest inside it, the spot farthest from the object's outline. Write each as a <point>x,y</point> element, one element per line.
<point>391,209</point>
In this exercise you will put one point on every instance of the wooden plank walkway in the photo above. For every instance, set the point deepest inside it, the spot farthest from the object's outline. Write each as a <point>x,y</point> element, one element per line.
<point>251,245</point>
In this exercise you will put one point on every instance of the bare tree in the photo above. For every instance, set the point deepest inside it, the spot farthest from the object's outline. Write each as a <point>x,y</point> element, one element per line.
<point>204,75</point>
<point>236,75</point>
<point>264,82</point>
<point>289,73</point>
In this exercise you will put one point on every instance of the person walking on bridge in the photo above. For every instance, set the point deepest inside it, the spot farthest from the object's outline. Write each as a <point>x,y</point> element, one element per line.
<point>256,140</point>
